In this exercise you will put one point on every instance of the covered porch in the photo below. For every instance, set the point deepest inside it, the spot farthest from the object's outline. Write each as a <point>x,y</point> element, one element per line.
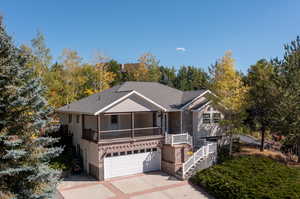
<point>125,125</point>
<point>134,117</point>
<point>130,125</point>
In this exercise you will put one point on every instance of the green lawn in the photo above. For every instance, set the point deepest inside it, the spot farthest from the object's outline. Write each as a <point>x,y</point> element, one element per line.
<point>250,177</point>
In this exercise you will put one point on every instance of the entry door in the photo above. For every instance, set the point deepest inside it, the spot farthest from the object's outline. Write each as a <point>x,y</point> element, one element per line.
<point>131,164</point>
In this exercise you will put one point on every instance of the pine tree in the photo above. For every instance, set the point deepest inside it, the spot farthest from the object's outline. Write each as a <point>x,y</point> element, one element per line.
<point>262,93</point>
<point>286,118</point>
<point>24,153</point>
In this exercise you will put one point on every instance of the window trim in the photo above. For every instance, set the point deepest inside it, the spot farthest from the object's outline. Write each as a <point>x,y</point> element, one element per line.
<point>214,118</point>
<point>206,120</point>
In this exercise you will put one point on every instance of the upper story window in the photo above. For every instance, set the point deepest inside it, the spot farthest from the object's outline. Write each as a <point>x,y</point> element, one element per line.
<point>77,119</point>
<point>114,119</point>
<point>206,118</point>
<point>216,117</point>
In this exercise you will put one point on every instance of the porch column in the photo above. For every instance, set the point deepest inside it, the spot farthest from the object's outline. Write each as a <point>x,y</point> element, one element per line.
<point>98,127</point>
<point>181,122</point>
<point>161,123</point>
<point>82,122</point>
<point>167,122</point>
<point>132,124</point>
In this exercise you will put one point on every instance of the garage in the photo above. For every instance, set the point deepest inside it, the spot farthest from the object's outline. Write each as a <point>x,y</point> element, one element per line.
<point>131,162</point>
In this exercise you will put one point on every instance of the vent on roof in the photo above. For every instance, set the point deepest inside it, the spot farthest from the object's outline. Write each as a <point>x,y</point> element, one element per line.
<point>99,97</point>
<point>68,106</point>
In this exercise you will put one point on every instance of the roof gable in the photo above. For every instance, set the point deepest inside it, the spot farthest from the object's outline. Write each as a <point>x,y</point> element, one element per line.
<point>159,95</point>
<point>133,103</point>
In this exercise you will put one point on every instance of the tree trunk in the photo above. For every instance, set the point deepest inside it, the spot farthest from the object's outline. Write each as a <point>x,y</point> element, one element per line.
<point>230,146</point>
<point>262,140</point>
<point>298,150</point>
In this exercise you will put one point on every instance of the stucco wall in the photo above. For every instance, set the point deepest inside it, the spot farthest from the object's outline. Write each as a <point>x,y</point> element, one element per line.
<point>201,130</point>
<point>90,153</point>
<point>74,127</point>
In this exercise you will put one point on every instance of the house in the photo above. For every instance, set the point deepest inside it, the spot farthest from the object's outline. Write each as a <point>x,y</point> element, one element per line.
<point>142,126</point>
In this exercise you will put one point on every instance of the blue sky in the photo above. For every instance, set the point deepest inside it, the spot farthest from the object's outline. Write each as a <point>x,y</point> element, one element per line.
<point>125,29</point>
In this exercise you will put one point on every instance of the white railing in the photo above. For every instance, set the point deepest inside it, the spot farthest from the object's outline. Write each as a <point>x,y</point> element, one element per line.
<point>183,138</point>
<point>201,153</point>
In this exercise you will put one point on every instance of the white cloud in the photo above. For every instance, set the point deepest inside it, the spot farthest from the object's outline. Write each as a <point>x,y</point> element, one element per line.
<point>180,49</point>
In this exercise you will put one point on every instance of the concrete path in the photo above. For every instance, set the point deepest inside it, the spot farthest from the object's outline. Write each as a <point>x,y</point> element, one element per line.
<point>140,186</point>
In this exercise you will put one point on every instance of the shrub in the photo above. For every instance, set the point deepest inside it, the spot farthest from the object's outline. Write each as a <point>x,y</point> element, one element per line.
<point>250,177</point>
<point>66,161</point>
<point>223,153</point>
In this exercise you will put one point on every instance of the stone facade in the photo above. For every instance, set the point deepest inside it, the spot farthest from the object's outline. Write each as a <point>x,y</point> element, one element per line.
<point>173,157</point>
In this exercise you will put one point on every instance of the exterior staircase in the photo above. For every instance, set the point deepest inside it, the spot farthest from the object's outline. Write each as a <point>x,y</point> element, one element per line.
<point>203,158</point>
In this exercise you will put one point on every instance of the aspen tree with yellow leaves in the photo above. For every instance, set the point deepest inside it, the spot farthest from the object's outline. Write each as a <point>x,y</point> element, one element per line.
<point>227,84</point>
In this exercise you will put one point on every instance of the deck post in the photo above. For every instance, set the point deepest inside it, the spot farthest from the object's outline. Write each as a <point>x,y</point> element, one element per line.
<point>82,123</point>
<point>167,122</point>
<point>98,127</point>
<point>181,122</point>
<point>132,124</point>
<point>161,123</point>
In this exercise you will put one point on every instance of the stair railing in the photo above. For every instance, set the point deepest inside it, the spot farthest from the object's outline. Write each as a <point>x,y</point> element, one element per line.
<point>201,153</point>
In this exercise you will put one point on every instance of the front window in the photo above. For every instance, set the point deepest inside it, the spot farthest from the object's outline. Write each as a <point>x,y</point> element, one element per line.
<point>206,118</point>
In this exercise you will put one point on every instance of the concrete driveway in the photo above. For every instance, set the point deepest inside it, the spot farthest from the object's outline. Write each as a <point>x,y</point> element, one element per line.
<point>140,186</point>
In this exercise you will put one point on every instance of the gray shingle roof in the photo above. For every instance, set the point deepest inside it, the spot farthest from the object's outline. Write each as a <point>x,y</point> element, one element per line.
<point>169,98</point>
